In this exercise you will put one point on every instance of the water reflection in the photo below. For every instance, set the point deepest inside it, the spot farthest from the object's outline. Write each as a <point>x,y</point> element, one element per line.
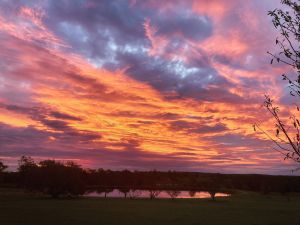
<point>145,194</point>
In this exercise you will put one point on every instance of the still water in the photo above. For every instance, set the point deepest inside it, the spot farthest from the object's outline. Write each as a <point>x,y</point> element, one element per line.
<point>145,194</point>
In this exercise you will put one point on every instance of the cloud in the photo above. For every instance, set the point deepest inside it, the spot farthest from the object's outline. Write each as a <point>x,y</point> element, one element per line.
<point>186,24</point>
<point>60,115</point>
<point>196,127</point>
<point>145,84</point>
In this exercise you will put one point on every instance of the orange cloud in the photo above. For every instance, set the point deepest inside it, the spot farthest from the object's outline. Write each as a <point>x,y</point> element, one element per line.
<point>112,111</point>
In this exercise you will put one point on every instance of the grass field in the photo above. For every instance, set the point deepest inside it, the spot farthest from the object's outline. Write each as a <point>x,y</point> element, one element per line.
<point>17,208</point>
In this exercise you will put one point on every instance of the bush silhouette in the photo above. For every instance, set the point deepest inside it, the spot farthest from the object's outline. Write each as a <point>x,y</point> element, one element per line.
<point>52,177</point>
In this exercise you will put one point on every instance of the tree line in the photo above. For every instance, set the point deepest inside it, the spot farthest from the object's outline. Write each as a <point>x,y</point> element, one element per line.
<point>56,179</point>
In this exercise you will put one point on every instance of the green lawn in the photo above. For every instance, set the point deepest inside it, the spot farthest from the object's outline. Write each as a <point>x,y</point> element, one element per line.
<point>17,208</point>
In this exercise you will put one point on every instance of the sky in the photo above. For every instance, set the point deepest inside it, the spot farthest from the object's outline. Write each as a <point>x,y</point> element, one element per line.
<point>139,85</point>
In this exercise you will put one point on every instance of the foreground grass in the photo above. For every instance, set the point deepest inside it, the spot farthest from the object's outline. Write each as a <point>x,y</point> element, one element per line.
<point>17,208</point>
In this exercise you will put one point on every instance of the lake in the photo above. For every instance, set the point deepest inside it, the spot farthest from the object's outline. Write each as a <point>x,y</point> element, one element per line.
<point>145,194</point>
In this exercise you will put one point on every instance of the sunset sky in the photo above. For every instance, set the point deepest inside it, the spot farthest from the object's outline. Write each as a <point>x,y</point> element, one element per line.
<point>166,85</point>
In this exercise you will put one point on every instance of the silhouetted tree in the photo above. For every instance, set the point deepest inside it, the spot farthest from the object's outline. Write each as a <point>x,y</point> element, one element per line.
<point>51,177</point>
<point>61,179</point>
<point>287,130</point>
<point>212,194</point>
<point>2,167</point>
<point>105,190</point>
<point>26,163</point>
<point>173,193</point>
<point>153,193</point>
<point>29,174</point>
<point>192,193</point>
<point>212,185</point>
<point>125,191</point>
<point>98,190</point>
